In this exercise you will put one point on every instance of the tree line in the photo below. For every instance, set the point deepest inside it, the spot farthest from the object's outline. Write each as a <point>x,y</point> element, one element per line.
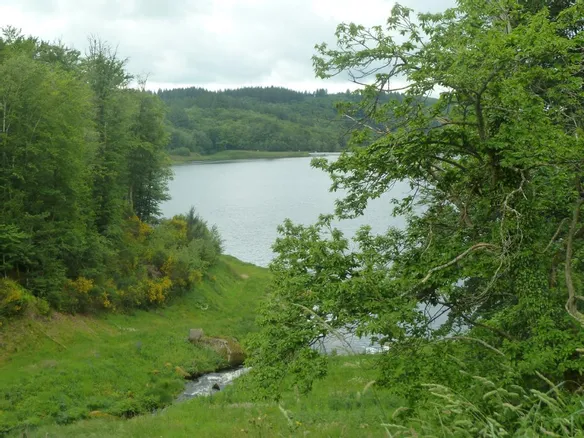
<point>83,172</point>
<point>256,118</point>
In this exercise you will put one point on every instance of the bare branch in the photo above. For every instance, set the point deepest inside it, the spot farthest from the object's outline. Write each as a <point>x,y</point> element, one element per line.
<point>360,123</point>
<point>555,236</point>
<point>571,304</point>
<point>459,257</point>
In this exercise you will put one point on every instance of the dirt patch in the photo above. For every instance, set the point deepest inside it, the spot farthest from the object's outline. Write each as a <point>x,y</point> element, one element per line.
<point>244,276</point>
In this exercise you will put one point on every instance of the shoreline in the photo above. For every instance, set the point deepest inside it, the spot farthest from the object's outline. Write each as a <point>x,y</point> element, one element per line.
<point>242,155</point>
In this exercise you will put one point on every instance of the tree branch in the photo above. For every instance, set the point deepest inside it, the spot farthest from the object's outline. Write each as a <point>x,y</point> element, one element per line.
<point>459,257</point>
<point>500,332</point>
<point>571,304</point>
<point>555,236</point>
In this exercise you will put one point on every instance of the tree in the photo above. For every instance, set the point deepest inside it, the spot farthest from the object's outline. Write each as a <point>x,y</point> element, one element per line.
<point>106,75</point>
<point>80,155</point>
<point>44,119</point>
<point>148,164</point>
<point>493,237</point>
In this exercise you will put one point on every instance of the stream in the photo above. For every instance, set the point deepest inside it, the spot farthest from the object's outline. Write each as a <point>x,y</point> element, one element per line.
<point>209,384</point>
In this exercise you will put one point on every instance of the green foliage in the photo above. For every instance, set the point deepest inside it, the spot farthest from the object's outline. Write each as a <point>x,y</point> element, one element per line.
<point>258,119</point>
<point>493,237</point>
<point>13,299</point>
<point>83,170</point>
<point>147,161</point>
<point>492,411</point>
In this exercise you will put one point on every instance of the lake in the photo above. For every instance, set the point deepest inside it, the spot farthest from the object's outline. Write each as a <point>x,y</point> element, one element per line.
<point>247,200</point>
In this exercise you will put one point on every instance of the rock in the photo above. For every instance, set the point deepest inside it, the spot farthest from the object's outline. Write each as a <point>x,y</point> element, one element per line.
<point>229,349</point>
<point>195,335</point>
<point>216,387</point>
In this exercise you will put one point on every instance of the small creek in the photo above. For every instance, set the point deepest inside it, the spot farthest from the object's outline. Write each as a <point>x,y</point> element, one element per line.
<point>209,384</point>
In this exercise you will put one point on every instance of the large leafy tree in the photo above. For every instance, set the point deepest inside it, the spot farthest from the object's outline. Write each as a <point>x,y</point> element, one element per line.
<point>148,165</point>
<point>493,239</point>
<point>44,118</point>
<point>106,75</point>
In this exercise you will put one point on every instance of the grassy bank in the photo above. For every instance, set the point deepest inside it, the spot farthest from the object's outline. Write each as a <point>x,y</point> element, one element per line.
<point>237,155</point>
<point>342,405</point>
<point>70,376</point>
<point>65,368</point>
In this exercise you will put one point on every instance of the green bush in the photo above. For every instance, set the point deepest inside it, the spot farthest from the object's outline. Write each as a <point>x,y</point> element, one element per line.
<point>14,299</point>
<point>147,267</point>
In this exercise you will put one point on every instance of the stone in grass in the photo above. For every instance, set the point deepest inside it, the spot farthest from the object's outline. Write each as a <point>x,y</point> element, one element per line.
<point>227,348</point>
<point>196,334</point>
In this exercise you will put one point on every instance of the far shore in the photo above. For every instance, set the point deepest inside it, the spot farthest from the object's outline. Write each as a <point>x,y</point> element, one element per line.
<point>242,155</point>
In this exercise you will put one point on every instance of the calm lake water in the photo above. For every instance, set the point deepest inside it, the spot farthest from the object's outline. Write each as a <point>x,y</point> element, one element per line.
<point>247,200</point>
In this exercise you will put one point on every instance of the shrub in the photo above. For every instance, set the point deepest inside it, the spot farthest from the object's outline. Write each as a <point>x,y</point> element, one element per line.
<point>77,297</point>
<point>14,299</point>
<point>158,289</point>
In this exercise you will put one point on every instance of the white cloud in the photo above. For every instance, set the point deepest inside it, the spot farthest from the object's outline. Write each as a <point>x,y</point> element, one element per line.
<point>209,43</point>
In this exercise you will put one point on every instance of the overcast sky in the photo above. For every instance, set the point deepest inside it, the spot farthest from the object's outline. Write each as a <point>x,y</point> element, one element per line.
<point>209,43</point>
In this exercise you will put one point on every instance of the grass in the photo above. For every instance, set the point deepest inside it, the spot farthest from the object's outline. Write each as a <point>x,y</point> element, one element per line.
<point>237,155</point>
<point>342,405</point>
<point>65,368</point>
<point>109,375</point>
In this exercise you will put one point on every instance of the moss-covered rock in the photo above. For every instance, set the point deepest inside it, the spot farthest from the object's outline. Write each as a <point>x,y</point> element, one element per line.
<point>227,348</point>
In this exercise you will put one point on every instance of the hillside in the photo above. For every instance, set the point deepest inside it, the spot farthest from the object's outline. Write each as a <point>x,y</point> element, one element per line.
<point>262,119</point>
<point>63,368</point>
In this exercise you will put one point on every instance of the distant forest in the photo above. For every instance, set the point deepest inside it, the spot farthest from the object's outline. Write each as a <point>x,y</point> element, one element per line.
<point>257,118</point>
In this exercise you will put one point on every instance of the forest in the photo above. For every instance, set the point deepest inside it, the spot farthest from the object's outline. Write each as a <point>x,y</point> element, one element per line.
<point>83,171</point>
<point>256,118</point>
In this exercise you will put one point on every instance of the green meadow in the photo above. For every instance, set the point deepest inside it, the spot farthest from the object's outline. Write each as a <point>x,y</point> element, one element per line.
<point>119,374</point>
<point>63,368</point>
<point>344,404</point>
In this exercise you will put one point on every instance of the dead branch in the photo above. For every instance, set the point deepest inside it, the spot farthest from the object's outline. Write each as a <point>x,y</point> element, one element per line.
<point>364,125</point>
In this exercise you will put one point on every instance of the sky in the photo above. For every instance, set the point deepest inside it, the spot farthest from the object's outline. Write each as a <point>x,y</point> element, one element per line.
<point>215,44</point>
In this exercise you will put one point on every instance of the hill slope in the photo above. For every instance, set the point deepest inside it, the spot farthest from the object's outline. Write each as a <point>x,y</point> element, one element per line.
<point>265,119</point>
<point>65,368</point>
